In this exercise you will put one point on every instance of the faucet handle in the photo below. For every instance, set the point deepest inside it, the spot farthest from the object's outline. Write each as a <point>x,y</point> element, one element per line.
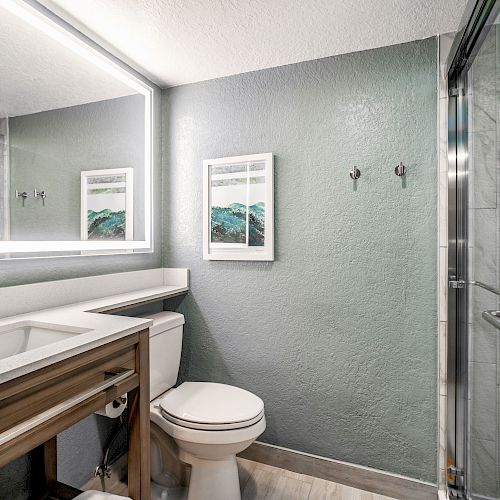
<point>41,194</point>
<point>22,195</point>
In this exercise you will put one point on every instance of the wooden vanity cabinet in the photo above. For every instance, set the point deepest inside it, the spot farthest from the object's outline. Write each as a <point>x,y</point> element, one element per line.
<point>37,406</point>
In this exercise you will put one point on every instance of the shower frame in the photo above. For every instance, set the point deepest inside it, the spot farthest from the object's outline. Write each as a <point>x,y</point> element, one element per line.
<point>476,21</point>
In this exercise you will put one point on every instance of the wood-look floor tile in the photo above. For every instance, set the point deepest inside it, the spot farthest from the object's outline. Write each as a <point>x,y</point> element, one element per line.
<point>288,473</point>
<point>291,489</point>
<point>299,477</point>
<point>271,483</point>
<point>245,470</point>
<point>265,482</point>
<point>326,490</point>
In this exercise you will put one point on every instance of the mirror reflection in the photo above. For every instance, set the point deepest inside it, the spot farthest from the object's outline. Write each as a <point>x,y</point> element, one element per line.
<point>72,143</point>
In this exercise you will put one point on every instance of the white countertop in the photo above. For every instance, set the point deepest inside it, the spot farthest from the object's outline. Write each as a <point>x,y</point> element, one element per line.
<point>86,315</point>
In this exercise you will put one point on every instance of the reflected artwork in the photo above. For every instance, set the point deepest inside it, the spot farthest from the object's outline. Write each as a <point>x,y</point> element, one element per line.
<point>107,204</point>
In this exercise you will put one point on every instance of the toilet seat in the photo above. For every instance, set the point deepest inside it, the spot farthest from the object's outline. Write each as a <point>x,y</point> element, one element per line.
<point>215,437</point>
<point>210,406</point>
<point>211,427</point>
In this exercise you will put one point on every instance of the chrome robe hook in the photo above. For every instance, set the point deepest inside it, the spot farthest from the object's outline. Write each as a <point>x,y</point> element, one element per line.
<point>400,169</point>
<point>355,173</point>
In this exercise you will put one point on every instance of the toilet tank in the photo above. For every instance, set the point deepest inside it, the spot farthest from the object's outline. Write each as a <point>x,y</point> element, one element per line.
<point>165,346</point>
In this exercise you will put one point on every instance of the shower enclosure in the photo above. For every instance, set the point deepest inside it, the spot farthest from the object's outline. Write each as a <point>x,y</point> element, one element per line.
<point>4,180</point>
<point>473,446</point>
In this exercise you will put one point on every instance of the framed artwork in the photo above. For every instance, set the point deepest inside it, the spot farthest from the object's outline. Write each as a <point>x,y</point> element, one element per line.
<point>238,208</point>
<point>107,206</point>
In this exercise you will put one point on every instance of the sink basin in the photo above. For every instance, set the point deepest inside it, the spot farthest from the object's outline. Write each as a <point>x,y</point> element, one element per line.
<point>25,336</point>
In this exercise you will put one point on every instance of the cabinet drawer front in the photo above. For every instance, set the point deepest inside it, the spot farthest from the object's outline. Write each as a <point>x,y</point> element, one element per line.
<point>57,410</point>
<point>38,392</point>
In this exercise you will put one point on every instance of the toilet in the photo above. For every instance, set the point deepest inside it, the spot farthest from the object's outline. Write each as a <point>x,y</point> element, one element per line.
<point>208,422</point>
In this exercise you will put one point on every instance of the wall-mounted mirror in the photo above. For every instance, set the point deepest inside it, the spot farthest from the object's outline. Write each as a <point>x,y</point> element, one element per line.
<point>75,143</point>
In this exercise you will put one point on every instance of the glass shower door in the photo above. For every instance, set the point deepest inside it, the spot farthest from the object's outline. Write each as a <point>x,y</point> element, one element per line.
<point>473,398</point>
<point>483,213</point>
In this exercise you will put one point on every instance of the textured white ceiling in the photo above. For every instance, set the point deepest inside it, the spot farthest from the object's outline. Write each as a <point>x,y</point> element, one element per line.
<point>38,74</point>
<point>181,41</point>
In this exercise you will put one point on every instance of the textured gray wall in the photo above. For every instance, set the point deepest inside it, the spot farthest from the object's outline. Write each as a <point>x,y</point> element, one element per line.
<point>49,150</point>
<point>338,335</point>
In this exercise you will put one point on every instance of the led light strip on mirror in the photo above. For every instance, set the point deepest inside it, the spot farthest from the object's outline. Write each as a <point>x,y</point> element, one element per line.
<point>35,15</point>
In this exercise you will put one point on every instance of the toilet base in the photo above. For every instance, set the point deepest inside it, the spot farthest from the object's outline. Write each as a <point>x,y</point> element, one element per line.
<point>211,454</point>
<point>160,492</point>
<point>212,479</point>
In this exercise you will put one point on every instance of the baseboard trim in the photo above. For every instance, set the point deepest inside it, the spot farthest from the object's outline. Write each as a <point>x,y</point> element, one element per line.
<point>357,476</point>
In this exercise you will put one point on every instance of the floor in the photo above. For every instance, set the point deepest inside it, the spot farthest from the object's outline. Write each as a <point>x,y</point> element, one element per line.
<point>263,482</point>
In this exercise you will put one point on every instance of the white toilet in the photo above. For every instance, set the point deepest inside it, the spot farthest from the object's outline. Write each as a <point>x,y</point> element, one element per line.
<point>210,423</point>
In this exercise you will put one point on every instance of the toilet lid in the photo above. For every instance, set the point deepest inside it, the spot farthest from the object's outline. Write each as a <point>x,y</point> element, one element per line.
<point>207,405</point>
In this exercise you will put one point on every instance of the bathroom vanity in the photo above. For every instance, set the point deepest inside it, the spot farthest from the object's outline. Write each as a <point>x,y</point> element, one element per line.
<point>61,364</point>
<point>37,406</point>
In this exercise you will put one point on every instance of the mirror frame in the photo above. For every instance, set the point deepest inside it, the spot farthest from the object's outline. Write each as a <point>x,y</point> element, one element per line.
<point>65,34</point>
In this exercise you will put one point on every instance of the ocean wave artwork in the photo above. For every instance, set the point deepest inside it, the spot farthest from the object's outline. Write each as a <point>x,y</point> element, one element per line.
<point>228,224</point>
<point>238,208</point>
<point>106,225</point>
<point>107,207</point>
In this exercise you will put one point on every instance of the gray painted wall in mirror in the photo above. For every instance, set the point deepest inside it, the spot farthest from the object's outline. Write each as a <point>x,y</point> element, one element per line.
<point>21,271</point>
<point>338,334</point>
<point>49,150</point>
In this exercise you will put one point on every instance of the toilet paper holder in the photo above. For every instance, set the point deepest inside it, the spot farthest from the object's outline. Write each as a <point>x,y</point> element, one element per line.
<point>115,408</point>
<point>119,401</point>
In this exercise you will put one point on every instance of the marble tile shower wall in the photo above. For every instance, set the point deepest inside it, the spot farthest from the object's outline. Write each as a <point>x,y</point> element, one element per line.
<point>484,217</point>
<point>497,167</point>
<point>3,176</point>
<point>445,42</point>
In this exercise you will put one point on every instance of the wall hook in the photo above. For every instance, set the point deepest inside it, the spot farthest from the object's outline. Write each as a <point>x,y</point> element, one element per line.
<point>400,169</point>
<point>355,173</point>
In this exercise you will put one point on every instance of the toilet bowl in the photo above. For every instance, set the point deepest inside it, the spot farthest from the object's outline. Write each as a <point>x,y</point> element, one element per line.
<point>210,423</point>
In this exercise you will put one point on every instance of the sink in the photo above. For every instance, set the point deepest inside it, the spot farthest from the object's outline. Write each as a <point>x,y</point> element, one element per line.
<point>23,336</point>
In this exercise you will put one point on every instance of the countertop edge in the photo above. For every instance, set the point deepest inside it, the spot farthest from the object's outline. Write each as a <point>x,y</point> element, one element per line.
<point>33,366</point>
<point>30,361</point>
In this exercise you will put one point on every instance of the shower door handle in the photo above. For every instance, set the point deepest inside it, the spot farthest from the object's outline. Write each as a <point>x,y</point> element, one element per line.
<point>490,288</point>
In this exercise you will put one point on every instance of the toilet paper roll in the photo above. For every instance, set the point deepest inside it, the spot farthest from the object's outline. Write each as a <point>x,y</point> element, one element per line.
<point>115,408</point>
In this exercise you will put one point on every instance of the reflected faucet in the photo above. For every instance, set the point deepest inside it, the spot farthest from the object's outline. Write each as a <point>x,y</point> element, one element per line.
<point>22,195</point>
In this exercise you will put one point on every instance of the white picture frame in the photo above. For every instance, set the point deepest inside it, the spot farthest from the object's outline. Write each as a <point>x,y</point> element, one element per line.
<point>238,208</point>
<point>90,178</point>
